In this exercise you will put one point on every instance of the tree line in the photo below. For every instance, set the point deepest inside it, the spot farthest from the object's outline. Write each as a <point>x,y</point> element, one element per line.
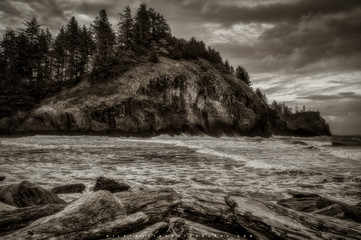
<point>33,63</point>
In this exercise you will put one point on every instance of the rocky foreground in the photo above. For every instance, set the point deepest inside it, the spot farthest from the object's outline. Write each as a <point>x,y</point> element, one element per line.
<point>115,210</point>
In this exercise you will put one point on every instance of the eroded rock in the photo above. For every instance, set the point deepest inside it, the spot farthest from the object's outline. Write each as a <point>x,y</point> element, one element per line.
<point>110,185</point>
<point>27,194</point>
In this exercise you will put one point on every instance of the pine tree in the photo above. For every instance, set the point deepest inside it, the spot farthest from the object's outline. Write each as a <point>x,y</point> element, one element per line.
<point>242,74</point>
<point>32,32</point>
<point>86,49</point>
<point>59,55</point>
<point>105,41</point>
<point>227,66</point>
<point>125,31</point>
<point>72,44</point>
<point>9,50</point>
<point>141,29</point>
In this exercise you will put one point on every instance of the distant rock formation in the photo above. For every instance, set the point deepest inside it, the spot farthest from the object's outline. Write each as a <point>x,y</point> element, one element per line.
<point>170,97</point>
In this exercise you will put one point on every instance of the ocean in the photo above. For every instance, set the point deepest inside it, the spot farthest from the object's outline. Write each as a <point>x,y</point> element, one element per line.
<point>265,168</point>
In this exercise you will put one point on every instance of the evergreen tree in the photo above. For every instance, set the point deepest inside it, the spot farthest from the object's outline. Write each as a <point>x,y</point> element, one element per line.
<point>242,74</point>
<point>32,32</point>
<point>59,55</point>
<point>227,66</point>
<point>105,41</point>
<point>158,25</point>
<point>86,49</point>
<point>72,44</point>
<point>9,50</point>
<point>125,32</point>
<point>141,29</point>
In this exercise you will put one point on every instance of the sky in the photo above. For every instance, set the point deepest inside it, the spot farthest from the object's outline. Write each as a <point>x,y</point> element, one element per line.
<point>301,52</point>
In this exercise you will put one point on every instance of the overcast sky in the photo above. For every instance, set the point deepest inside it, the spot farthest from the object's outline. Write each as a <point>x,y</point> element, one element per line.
<point>305,52</point>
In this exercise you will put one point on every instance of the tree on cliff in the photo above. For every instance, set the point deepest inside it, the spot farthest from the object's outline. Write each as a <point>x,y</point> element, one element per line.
<point>125,30</point>
<point>141,30</point>
<point>242,74</point>
<point>59,56</point>
<point>104,42</point>
<point>72,44</point>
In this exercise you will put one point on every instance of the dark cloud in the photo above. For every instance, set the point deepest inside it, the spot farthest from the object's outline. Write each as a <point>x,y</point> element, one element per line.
<point>345,95</point>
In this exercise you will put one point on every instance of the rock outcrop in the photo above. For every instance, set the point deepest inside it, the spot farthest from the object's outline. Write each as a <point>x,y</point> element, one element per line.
<point>110,185</point>
<point>168,97</point>
<point>27,194</point>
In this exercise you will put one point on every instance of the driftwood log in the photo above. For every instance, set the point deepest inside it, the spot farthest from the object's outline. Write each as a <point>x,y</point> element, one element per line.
<point>267,220</point>
<point>155,203</point>
<point>12,220</point>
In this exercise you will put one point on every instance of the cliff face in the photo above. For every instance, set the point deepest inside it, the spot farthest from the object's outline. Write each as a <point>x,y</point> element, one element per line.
<point>168,97</point>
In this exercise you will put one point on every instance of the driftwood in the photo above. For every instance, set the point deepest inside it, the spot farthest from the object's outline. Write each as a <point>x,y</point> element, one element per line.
<point>88,215</point>
<point>156,204</point>
<point>309,202</point>
<point>12,220</point>
<point>271,221</point>
<point>26,194</point>
<point>69,188</point>
<point>148,233</point>
<point>5,207</point>
<point>211,210</point>
<point>180,228</point>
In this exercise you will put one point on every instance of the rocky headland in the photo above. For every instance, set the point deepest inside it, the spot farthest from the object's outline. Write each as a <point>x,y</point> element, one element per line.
<point>162,213</point>
<point>169,97</point>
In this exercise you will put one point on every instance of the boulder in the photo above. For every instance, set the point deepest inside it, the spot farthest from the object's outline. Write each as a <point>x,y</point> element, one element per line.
<point>265,220</point>
<point>17,218</point>
<point>2,178</point>
<point>111,185</point>
<point>93,216</point>
<point>155,203</point>
<point>27,194</point>
<point>69,188</point>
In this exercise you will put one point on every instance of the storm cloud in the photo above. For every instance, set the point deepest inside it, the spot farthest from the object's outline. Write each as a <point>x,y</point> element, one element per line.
<point>303,52</point>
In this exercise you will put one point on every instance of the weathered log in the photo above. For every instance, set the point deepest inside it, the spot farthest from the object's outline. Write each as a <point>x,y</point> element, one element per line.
<point>110,185</point>
<point>211,210</point>
<point>267,220</point>
<point>12,220</point>
<point>4,207</point>
<point>155,203</point>
<point>69,188</point>
<point>26,194</point>
<point>148,233</point>
<point>309,202</point>
<point>87,215</point>
<point>180,228</point>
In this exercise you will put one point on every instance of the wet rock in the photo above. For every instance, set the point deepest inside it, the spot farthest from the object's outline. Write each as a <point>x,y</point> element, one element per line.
<point>334,210</point>
<point>210,210</point>
<point>27,194</point>
<point>110,185</point>
<point>93,216</point>
<point>180,228</point>
<point>346,141</point>
<point>299,143</point>
<point>2,178</point>
<point>155,203</point>
<point>69,188</point>
<point>265,220</point>
<point>308,124</point>
<point>17,218</point>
